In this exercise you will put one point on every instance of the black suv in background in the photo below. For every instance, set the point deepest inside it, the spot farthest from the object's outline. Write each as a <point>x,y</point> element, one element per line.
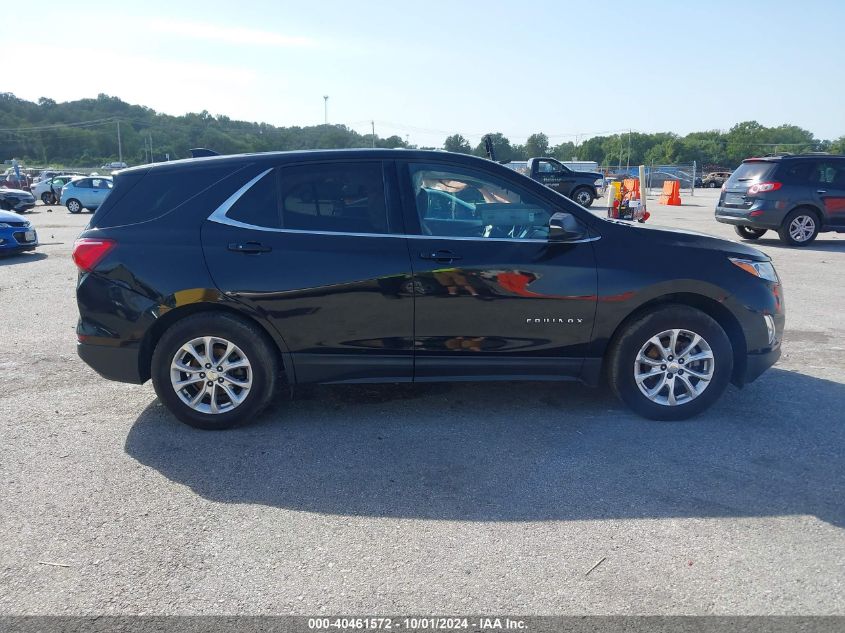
<point>798,196</point>
<point>222,277</point>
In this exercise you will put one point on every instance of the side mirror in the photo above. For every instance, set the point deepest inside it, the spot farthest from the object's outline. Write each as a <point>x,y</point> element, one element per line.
<point>564,226</point>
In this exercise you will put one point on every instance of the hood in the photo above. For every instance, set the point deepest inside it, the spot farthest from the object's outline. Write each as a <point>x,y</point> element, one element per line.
<point>6,216</point>
<point>694,239</point>
<point>590,174</point>
<point>19,192</point>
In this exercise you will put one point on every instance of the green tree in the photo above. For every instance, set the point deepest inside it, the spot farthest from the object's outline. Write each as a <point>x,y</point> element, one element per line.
<point>537,145</point>
<point>457,143</point>
<point>501,144</point>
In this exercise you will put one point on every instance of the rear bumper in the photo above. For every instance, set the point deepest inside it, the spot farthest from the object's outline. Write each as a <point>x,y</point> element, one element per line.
<point>765,219</point>
<point>114,363</point>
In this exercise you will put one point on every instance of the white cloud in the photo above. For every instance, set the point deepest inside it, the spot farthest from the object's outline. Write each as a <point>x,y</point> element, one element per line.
<point>230,35</point>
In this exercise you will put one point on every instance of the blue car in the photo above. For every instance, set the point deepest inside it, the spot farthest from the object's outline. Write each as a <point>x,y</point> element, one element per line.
<point>86,193</point>
<point>16,234</point>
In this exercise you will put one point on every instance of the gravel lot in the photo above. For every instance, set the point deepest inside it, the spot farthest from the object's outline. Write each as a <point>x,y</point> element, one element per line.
<point>465,498</point>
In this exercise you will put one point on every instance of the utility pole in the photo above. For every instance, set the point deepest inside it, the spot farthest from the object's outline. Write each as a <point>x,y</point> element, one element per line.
<point>628,166</point>
<point>152,160</point>
<point>119,146</point>
<point>326,109</point>
<point>373,123</point>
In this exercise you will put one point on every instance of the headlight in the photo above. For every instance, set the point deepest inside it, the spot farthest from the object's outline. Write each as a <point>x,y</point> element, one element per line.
<point>763,270</point>
<point>3,225</point>
<point>599,182</point>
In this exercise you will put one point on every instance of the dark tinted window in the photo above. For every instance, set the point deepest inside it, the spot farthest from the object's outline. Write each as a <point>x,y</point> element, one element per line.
<point>258,205</point>
<point>796,173</point>
<point>755,170</point>
<point>139,197</point>
<point>343,198</point>
<point>85,183</point>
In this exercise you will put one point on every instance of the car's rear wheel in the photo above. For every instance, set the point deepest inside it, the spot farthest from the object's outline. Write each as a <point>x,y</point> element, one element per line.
<point>671,364</point>
<point>583,196</point>
<point>747,233</point>
<point>799,228</point>
<point>214,370</point>
<point>74,206</point>
<point>711,184</point>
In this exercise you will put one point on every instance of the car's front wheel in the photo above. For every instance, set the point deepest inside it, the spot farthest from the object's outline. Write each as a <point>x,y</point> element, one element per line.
<point>214,370</point>
<point>47,198</point>
<point>583,196</point>
<point>671,364</point>
<point>74,206</point>
<point>799,228</point>
<point>747,233</point>
<point>712,184</point>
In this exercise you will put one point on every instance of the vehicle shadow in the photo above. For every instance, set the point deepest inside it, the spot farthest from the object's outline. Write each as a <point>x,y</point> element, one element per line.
<point>820,244</point>
<point>21,258</point>
<point>517,452</point>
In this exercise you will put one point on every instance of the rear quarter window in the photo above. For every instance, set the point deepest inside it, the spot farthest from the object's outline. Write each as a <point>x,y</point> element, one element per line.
<point>142,196</point>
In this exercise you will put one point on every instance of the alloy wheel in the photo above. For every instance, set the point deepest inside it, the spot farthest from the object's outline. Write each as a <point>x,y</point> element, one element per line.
<point>674,367</point>
<point>802,228</point>
<point>211,375</point>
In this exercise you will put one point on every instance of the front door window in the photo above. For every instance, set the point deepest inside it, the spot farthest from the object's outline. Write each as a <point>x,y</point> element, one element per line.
<point>452,202</point>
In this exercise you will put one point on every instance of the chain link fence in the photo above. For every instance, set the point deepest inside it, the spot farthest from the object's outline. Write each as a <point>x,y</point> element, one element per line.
<point>688,175</point>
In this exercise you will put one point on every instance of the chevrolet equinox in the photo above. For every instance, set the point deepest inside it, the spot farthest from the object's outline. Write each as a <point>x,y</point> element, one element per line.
<point>221,278</point>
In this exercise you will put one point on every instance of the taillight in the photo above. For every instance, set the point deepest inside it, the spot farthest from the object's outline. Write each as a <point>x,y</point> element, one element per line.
<point>763,187</point>
<point>87,252</point>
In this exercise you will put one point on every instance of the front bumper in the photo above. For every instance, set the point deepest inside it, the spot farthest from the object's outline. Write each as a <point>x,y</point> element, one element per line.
<point>19,206</point>
<point>14,240</point>
<point>756,364</point>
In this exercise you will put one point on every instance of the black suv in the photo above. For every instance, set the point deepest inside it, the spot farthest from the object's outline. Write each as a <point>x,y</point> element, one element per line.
<point>798,196</point>
<point>221,278</point>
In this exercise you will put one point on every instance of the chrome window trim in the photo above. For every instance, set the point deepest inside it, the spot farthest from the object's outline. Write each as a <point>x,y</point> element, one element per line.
<point>219,216</point>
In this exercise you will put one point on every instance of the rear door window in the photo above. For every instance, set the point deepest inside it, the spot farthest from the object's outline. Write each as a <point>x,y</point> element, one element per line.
<point>258,206</point>
<point>796,173</point>
<point>334,197</point>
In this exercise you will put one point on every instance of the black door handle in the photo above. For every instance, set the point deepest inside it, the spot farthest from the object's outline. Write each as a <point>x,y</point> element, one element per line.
<point>440,256</point>
<point>249,247</point>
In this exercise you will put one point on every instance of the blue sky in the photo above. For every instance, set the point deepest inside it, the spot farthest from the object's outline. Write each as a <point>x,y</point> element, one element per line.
<point>429,69</point>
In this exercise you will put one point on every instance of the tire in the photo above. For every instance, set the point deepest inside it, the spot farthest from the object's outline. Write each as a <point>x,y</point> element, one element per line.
<point>583,196</point>
<point>635,340</point>
<point>748,233</point>
<point>47,198</point>
<point>800,227</point>
<point>711,184</point>
<point>74,206</point>
<point>248,342</point>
